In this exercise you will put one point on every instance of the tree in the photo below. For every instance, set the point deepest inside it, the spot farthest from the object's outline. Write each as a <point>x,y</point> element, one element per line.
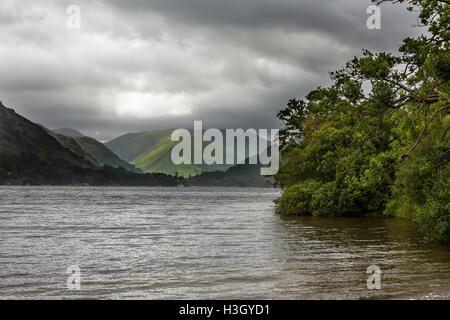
<point>375,150</point>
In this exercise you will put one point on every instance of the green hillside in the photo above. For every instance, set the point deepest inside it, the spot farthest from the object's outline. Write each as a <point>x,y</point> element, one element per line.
<point>19,135</point>
<point>30,155</point>
<point>151,152</point>
<point>93,151</point>
<point>130,146</point>
<point>72,144</point>
<point>158,159</point>
<point>103,155</point>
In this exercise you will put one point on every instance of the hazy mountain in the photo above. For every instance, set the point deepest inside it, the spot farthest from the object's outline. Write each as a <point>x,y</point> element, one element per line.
<point>69,132</point>
<point>30,155</point>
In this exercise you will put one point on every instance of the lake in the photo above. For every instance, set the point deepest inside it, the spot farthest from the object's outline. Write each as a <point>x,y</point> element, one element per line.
<point>203,243</point>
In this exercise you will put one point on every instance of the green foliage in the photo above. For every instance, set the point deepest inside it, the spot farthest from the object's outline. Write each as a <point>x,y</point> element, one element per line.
<point>433,216</point>
<point>348,151</point>
<point>296,200</point>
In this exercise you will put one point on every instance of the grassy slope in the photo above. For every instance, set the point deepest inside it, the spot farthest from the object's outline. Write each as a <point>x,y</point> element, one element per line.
<point>151,152</point>
<point>130,146</point>
<point>103,155</point>
<point>93,151</point>
<point>19,135</point>
<point>72,144</point>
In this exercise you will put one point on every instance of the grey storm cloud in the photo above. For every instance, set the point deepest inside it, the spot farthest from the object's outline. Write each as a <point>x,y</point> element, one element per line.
<point>142,65</point>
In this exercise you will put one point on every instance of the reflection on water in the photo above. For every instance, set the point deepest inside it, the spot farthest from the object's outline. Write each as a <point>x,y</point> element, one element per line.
<point>337,251</point>
<point>205,243</point>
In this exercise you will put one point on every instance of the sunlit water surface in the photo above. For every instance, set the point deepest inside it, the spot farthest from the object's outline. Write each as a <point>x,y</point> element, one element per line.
<point>203,243</point>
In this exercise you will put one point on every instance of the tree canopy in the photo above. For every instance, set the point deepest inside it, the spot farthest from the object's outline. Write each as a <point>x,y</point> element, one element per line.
<point>376,140</point>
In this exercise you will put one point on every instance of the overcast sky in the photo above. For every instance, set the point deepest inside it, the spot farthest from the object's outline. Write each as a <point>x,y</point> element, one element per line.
<point>151,64</point>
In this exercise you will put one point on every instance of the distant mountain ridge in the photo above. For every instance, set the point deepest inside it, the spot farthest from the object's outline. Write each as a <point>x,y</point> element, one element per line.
<point>69,132</point>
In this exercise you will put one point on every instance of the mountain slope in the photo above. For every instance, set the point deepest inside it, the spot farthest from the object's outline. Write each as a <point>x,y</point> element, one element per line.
<point>151,152</point>
<point>130,146</point>
<point>69,132</point>
<point>26,149</point>
<point>19,135</point>
<point>103,155</point>
<point>30,155</point>
<point>159,159</point>
<point>93,151</point>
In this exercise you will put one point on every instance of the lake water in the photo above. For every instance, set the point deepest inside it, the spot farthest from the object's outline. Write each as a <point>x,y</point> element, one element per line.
<point>203,243</point>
